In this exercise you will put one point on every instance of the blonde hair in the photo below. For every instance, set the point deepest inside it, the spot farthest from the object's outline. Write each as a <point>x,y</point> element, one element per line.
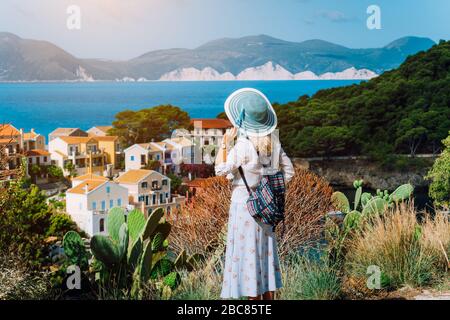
<point>262,144</point>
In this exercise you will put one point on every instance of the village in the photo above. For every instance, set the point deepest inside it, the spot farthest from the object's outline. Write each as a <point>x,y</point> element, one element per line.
<point>93,173</point>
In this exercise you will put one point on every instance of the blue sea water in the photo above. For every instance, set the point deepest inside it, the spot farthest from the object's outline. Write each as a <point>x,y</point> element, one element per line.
<point>46,106</point>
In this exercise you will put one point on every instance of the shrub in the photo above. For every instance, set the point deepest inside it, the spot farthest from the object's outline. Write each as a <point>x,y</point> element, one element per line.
<point>309,279</point>
<point>203,222</point>
<point>60,223</point>
<point>396,244</point>
<point>440,177</point>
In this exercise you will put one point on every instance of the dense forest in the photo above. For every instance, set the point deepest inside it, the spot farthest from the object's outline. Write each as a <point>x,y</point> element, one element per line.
<point>403,111</point>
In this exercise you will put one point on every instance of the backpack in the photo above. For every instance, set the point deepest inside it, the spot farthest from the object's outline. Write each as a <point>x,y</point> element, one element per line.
<point>266,204</point>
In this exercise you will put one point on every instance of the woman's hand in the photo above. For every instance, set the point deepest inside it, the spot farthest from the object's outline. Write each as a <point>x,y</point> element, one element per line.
<point>229,136</point>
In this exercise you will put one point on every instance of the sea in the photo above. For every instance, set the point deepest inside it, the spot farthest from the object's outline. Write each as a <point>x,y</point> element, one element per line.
<point>46,106</point>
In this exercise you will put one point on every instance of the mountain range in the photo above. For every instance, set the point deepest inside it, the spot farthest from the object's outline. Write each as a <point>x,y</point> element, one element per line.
<point>248,58</point>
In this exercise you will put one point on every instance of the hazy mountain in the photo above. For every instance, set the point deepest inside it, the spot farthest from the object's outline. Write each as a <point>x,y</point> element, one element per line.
<point>30,60</point>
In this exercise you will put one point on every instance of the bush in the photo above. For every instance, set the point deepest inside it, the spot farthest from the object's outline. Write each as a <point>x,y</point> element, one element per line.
<point>204,221</point>
<point>440,177</point>
<point>60,224</point>
<point>400,247</point>
<point>309,279</point>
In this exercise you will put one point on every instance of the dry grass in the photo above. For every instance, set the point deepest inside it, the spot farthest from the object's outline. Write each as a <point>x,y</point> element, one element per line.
<point>307,201</point>
<point>436,238</point>
<point>201,223</point>
<point>406,252</point>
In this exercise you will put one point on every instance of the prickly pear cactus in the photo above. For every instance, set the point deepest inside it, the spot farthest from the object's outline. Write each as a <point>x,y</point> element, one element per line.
<point>172,280</point>
<point>74,249</point>
<point>136,223</point>
<point>340,201</point>
<point>157,242</point>
<point>375,206</point>
<point>352,220</point>
<point>114,221</point>
<point>162,268</point>
<point>365,197</point>
<point>402,193</point>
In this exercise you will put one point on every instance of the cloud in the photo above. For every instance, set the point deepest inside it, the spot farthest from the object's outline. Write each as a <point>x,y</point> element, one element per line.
<point>335,16</point>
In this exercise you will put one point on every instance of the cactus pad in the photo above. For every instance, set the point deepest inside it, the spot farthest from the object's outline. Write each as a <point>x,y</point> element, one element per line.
<point>114,221</point>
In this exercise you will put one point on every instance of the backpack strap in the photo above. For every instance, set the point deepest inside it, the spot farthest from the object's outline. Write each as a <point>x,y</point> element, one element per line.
<point>241,172</point>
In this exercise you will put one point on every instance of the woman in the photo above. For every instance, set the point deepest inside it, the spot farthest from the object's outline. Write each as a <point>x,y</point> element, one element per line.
<point>251,264</point>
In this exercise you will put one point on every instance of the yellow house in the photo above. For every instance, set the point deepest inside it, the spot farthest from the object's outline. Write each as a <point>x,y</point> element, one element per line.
<point>111,147</point>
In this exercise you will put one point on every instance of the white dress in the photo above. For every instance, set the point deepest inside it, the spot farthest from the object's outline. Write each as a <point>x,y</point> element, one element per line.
<point>251,261</point>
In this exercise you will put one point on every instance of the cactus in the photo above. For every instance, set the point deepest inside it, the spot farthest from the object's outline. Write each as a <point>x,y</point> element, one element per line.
<point>340,201</point>
<point>74,249</point>
<point>365,197</point>
<point>352,220</point>
<point>402,193</point>
<point>162,268</point>
<point>131,251</point>
<point>172,280</point>
<point>375,206</point>
<point>358,186</point>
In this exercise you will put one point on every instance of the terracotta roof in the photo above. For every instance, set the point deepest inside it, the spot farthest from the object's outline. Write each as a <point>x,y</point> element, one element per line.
<point>8,130</point>
<point>133,176</point>
<point>7,141</point>
<point>91,186</point>
<point>30,135</point>
<point>213,123</point>
<point>103,128</point>
<point>76,140</point>
<point>105,138</point>
<point>184,142</point>
<point>90,176</point>
<point>64,131</point>
<point>37,152</point>
<point>166,145</point>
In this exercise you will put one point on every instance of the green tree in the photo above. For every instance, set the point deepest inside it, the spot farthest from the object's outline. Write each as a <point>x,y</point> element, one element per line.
<point>440,177</point>
<point>69,166</point>
<point>175,183</point>
<point>145,125</point>
<point>55,172</point>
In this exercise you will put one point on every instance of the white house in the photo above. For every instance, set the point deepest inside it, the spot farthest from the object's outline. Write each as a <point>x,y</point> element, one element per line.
<point>88,203</point>
<point>210,131</point>
<point>138,156</point>
<point>99,131</point>
<point>148,189</point>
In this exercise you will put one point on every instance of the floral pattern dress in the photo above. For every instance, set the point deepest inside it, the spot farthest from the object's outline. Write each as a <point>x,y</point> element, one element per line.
<point>251,266</point>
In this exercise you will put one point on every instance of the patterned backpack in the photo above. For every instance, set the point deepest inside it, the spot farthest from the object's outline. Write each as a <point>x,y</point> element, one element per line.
<point>266,203</point>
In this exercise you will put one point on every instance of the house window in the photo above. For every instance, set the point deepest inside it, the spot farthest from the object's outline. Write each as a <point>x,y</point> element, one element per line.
<point>167,195</point>
<point>108,189</point>
<point>119,202</point>
<point>102,225</point>
<point>30,160</point>
<point>144,185</point>
<point>132,158</point>
<point>154,184</point>
<point>161,198</point>
<point>164,182</point>
<point>111,203</point>
<point>103,205</point>
<point>143,160</point>
<point>94,205</point>
<point>45,159</point>
<point>154,199</point>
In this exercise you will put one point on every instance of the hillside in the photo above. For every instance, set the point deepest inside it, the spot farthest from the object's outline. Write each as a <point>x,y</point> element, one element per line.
<point>403,111</point>
<point>31,60</point>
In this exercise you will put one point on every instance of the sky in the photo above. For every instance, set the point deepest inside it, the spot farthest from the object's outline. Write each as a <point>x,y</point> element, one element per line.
<point>124,29</point>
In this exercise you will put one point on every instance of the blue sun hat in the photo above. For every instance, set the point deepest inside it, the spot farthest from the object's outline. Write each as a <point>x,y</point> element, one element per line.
<point>251,111</point>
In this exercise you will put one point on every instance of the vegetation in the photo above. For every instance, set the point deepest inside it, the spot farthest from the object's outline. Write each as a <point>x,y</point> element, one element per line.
<point>440,177</point>
<point>145,125</point>
<point>407,253</point>
<point>403,111</point>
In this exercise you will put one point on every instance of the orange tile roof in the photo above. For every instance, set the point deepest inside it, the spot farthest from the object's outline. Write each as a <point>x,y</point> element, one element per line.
<point>91,186</point>
<point>30,135</point>
<point>37,152</point>
<point>104,128</point>
<point>213,123</point>
<point>105,138</point>
<point>8,130</point>
<point>8,140</point>
<point>133,176</point>
<point>76,140</point>
<point>90,176</point>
